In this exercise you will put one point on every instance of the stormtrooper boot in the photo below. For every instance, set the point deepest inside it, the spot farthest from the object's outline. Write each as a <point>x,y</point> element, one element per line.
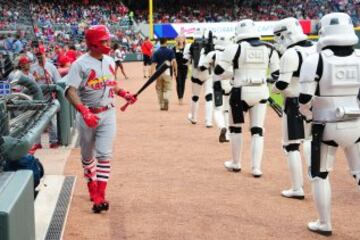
<point>209,114</point>
<point>322,196</point>
<point>295,168</point>
<point>236,146</point>
<point>192,116</point>
<point>257,147</point>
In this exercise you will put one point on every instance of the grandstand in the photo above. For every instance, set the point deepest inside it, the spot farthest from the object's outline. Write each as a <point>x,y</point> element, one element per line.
<point>173,11</point>
<point>60,21</point>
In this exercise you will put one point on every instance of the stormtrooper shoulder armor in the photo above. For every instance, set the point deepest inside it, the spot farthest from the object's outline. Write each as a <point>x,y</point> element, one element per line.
<point>289,61</point>
<point>225,60</point>
<point>309,68</point>
<point>229,53</point>
<point>206,59</point>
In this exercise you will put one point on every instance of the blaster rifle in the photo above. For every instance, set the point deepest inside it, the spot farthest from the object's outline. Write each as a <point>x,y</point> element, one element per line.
<point>276,107</point>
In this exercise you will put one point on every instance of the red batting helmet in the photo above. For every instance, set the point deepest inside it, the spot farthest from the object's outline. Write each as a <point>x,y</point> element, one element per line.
<point>63,60</point>
<point>23,60</point>
<point>95,35</point>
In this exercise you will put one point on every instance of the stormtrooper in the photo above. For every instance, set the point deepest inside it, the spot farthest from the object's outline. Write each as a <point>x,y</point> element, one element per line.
<point>295,48</point>
<point>192,54</point>
<point>221,87</point>
<point>250,59</point>
<point>329,94</point>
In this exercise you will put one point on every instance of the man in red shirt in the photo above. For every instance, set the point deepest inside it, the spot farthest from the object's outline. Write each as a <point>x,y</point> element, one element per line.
<point>146,49</point>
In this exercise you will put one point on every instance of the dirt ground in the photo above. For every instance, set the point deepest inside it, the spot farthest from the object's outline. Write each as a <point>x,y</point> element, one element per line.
<point>168,182</point>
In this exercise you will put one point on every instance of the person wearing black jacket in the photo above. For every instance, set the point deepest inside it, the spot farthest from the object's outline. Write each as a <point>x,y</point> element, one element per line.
<point>6,65</point>
<point>181,67</point>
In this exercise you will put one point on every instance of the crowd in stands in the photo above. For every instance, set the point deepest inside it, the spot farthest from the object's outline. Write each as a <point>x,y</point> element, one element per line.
<point>171,11</point>
<point>63,22</point>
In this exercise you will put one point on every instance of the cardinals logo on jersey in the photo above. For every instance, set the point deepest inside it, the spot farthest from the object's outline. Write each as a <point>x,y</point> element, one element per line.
<point>98,83</point>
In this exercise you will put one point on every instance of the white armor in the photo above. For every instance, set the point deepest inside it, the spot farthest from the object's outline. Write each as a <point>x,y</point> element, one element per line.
<point>333,82</point>
<point>336,103</point>
<point>338,95</point>
<point>249,92</point>
<point>199,79</point>
<point>246,29</point>
<point>290,40</point>
<point>289,64</point>
<point>222,87</point>
<point>287,32</point>
<point>332,35</point>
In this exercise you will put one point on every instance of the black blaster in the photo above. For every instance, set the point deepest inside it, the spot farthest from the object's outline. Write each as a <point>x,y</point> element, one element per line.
<point>209,44</point>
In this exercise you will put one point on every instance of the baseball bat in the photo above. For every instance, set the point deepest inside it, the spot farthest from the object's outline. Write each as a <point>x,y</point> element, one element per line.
<point>165,65</point>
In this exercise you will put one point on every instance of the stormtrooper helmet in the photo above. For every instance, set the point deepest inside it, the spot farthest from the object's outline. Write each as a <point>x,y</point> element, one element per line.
<point>287,32</point>
<point>246,29</point>
<point>220,41</point>
<point>336,29</point>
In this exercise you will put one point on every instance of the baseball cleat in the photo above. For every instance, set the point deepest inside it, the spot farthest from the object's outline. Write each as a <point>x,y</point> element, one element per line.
<point>98,208</point>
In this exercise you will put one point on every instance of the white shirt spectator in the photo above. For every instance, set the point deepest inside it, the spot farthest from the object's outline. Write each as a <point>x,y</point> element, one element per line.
<point>119,55</point>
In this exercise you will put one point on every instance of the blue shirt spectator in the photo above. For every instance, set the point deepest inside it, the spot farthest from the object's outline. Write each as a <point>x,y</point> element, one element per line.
<point>162,54</point>
<point>9,43</point>
<point>17,46</point>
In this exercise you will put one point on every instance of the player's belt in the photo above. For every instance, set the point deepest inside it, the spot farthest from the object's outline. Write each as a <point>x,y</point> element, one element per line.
<point>96,110</point>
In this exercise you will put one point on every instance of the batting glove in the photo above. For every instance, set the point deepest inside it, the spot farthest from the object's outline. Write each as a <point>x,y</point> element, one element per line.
<point>129,97</point>
<point>90,119</point>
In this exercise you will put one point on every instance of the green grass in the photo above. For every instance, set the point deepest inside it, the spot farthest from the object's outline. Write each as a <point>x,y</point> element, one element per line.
<point>278,98</point>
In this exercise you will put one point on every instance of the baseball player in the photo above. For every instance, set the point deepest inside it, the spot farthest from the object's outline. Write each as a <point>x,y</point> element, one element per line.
<point>295,48</point>
<point>192,53</point>
<point>250,59</point>
<point>45,72</point>
<point>92,76</point>
<point>330,88</point>
<point>23,68</point>
<point>221,87</point>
